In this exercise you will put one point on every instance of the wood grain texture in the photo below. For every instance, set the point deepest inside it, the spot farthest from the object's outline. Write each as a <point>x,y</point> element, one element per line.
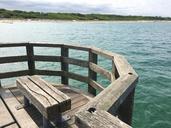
<point>96,85</point>
<point>21,116</point>
<point>98,119</point>
<point>106,54</point>
<point>110,98</point>
<point>100,70</point>
<point>5,116</point>
<point>47,99</point>
<point>63,100</point>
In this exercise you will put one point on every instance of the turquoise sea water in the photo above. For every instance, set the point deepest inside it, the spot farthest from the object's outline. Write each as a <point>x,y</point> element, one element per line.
<point>146,45</point>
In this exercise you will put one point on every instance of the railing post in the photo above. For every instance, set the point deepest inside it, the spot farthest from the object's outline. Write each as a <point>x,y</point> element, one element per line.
<point>64,66</point>
<point>30,55</point>
<point>126,109</point>
<point>92,75</point>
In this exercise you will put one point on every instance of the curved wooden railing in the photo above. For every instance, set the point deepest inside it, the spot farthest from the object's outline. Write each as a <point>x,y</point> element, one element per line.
<point>117,98</point>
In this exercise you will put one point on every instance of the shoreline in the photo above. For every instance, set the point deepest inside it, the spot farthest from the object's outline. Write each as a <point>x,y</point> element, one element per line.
<point>11,21</point>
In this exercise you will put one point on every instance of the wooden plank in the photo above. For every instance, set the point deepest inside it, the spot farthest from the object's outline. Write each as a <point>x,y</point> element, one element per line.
<point>96,85</point>
<point>30,55</point>
<point>47,58</point>
<point>106,54</point>
<point>114,95</point>
<point>13,44</point>
<point>5,117</point>
<point>46,44</point>
<point>125,110</point>
<point>114,75</point>
<point>12,59</point>
<point>13,74</point>
<point>76,76</point>
<point>48,72</point>
<point>73,61</point>
<point>63,100</point>
<point>21,116</point>
<point>12,126</point>
<point>100,70</point>
<point>64,66</point>
<point>98,119</point>
<point>122,65</point>
<point>91,74</point>
<point>46,105</point>
<point>77,47</point>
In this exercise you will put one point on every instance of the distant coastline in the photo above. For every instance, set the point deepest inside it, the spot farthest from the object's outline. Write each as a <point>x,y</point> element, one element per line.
<point>11,21</point>
<point>36,16</point>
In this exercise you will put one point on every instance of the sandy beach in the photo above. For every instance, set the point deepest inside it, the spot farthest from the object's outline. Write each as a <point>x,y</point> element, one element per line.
<point>11,21</point>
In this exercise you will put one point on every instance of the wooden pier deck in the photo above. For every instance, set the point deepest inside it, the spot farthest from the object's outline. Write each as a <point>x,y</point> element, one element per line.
<point>12,97</point>
<point>98,107</point>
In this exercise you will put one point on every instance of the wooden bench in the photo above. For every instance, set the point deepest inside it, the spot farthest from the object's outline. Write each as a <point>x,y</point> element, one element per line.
<point>47,99</point>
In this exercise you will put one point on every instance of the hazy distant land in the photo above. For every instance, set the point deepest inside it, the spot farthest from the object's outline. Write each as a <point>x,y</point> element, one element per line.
<point>23,15</point>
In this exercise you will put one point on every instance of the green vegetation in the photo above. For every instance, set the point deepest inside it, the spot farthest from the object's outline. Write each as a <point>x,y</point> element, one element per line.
<point>17,14</point>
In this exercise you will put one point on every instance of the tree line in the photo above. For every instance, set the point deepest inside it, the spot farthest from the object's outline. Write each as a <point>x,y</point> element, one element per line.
<point>18,14</point>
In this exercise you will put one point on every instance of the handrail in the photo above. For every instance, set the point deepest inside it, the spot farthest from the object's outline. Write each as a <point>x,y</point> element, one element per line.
<point>123,78</point>
<point>120,65</point>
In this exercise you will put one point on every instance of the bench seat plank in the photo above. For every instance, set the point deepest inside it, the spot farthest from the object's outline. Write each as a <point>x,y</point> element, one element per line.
<point>60,97</point>
<point>5,116</point>
<point>21,116</point>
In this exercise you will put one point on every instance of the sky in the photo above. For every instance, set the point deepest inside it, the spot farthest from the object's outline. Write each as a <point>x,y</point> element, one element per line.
<point>120,7</point>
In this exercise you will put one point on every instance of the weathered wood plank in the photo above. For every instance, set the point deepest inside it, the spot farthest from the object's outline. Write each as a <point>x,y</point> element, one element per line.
<point>63,100</point>
<point>14,74</point>
<point>12,59</point>
<point>98,119</point>
<point>114,72</point>
<point>100,70</point>
<point>64,66</point>
<point>96,85</point>
<point>47,58</point>
<point>125,110</point>
<point>5,117</point>
<point>45,44</point>
<point>21,116</point>
<point>111,98</point>
<point>30,55</point>
<point>13,44</point>
<point>122,65</point>
<point>12,126</point>
<point>76,76</point>
<point>48,72</point>
<point>103,53</point>
<point>91,74</point>
<point>77,47</point>
<point>73,61</point>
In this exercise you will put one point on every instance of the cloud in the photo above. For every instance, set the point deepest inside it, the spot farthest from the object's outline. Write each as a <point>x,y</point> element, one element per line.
<point>123,7</point>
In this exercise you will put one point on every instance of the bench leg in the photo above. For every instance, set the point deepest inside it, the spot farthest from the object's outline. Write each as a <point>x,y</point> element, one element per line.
<point>45,122</point>
<point>26,102</point>
<point>59,119</point>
